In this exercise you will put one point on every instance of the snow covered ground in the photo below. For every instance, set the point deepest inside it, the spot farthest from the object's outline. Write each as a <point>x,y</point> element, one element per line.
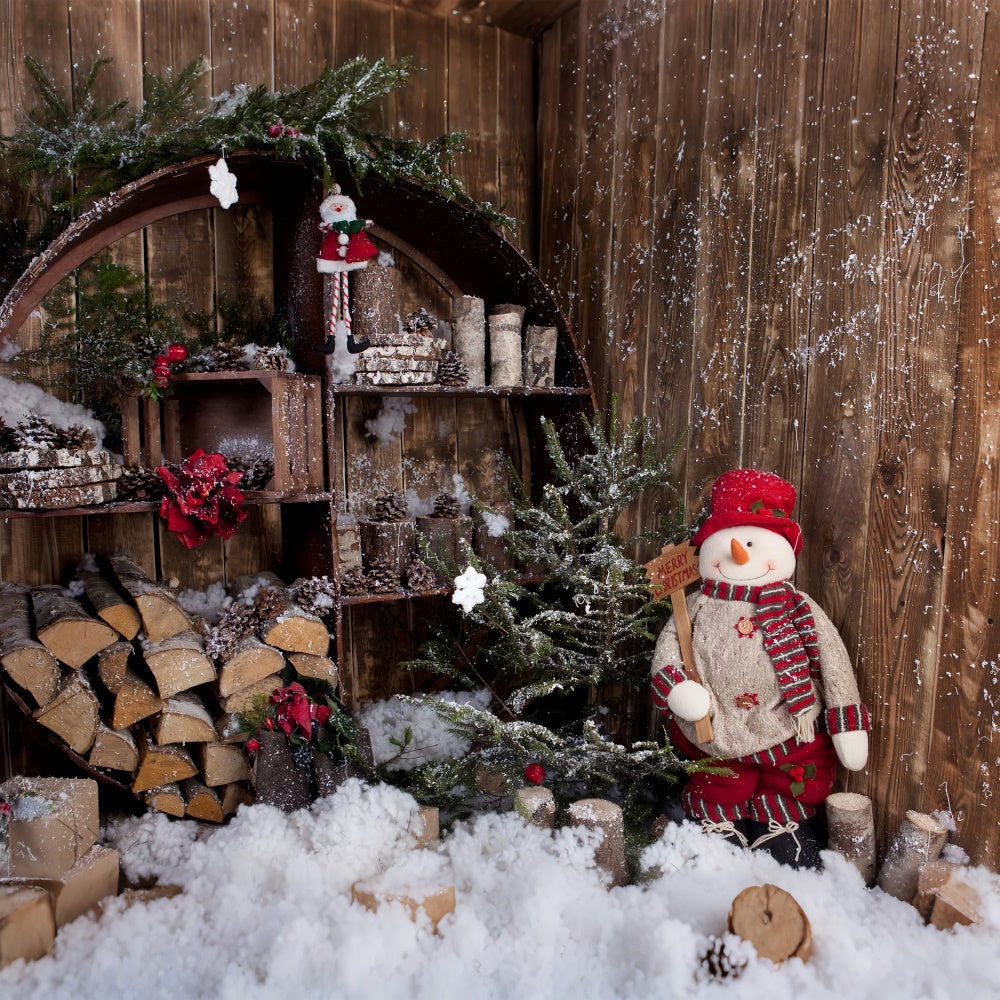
<point>266,911</point>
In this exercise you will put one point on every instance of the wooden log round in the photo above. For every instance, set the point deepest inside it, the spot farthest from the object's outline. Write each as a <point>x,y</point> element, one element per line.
<point>506,360</point>
<point>468,338</point>
<point>920,839</point>
<point>852,831</point>
<point>773,922</point>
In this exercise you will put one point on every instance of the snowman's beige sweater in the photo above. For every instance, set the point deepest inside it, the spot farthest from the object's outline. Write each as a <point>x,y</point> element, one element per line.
<point>747,711</point>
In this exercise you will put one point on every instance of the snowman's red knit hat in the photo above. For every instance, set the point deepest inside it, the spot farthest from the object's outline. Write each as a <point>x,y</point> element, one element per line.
<point>748,496</point>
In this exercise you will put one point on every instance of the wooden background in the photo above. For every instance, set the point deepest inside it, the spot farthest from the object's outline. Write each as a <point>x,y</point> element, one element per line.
<point>772,225</point>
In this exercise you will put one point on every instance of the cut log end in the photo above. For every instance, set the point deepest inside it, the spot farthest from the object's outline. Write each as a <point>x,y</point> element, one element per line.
<point>773,922</point>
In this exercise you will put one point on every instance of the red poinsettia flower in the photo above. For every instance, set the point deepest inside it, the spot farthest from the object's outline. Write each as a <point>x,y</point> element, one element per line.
<point>203,498</point>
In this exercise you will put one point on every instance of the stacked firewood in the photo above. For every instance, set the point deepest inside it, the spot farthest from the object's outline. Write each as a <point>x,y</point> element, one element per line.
<point>149,693</point>
<point>45,467</point>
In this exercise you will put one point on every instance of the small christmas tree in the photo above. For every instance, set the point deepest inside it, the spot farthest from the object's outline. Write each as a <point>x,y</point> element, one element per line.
<point>542,649</point>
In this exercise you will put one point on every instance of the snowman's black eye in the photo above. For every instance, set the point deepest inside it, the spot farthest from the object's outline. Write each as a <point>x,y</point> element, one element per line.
<point>749,545</point>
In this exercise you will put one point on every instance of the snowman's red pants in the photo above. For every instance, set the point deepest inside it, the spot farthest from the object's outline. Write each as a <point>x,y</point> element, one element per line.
<point>784,783</point>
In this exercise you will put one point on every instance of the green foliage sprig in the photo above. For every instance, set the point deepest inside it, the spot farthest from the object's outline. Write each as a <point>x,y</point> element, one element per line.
<point>324,122</point>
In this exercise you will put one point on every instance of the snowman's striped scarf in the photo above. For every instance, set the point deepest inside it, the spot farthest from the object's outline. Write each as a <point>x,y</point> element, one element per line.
<point>788,631</point>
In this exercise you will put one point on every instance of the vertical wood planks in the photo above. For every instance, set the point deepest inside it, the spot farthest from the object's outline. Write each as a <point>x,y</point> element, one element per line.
<point>914,387</point>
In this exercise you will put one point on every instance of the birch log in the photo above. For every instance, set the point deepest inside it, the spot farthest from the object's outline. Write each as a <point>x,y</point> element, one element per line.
<point>28,663</point>
<point>115,749</point>
<point>135,700</point>
<point>468,339</point>
<point>162,616</point>
<point>65,629</point>
<point>852,831</point>
<point>375,302</point>
<point>112,665</point>
<point>72,714</point>
<point>540,357</point>
<point>109,604</point>
<point>506,363</point>
<point>179,663</point>
<point>920,839</point>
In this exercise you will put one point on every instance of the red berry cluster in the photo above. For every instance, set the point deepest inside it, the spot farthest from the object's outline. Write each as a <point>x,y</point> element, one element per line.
<point>161,366</point>
<point>534,773</point>
<point>277,129</point>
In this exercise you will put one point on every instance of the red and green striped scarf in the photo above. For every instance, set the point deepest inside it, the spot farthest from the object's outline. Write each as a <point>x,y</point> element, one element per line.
<point>788,631</point>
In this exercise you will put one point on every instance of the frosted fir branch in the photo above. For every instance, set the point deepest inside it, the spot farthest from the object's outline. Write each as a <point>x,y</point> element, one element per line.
<point>322,124</point>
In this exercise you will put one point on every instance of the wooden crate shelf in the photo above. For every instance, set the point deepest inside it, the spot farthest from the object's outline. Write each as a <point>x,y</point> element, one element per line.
<point>278,413</point>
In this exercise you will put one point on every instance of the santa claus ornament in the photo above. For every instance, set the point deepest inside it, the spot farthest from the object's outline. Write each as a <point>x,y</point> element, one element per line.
<point>346,247</point>
<point>775,678</point>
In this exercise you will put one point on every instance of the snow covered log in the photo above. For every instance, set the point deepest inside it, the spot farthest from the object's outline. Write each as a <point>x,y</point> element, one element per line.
<point>852,831</point>
<point>179,662</point>
<point>28,663</point>
<point>389,542</point>
<point>243,699</point>
<point>201,802</point>
<point>536,805</point>
<point>184,719</point>
<point>773,922</point>
<point>320,668</point>
<point>607,817</point>
<point>540,356</point>
<point>222,763</point>
<point>166,799</point>
<point>292,630</point>
<point>375,298</point>
<point>162,616</point>
<point>114,749</point>
<point>468,318</point>
<point>112,665</point>
<point>944,898</point>
<point>65,628</point>
<point>277,778</point>
<point>920,839</point>
<point>251,661</point>
<point>72,714</point>
<point>56,489</point>
<point>110,605</point>
<point>506,356</point>
<point>134,700</point>
<point>161,765</point>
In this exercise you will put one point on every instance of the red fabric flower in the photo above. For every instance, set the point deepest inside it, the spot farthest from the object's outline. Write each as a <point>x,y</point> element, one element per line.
<point>203,499</point>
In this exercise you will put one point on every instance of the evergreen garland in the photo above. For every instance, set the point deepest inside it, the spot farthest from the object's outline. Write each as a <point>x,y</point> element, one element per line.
<point>324,122</point>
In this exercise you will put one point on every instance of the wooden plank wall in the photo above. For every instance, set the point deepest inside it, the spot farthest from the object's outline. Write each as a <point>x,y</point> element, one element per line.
<point>474,77</point>
<point>775,227</point>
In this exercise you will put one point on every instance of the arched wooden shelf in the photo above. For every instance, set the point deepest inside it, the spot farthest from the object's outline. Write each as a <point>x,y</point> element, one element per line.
<point>452,244</point>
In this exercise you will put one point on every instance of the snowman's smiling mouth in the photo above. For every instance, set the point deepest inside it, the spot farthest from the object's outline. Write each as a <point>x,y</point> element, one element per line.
<point>742,579</point>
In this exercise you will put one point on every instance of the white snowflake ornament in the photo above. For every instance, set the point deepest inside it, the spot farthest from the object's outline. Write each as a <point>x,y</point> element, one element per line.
<point>469,589</point>
<point>223,184</point>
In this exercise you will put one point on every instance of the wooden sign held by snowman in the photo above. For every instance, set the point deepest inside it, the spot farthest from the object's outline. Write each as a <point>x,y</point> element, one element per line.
<point>774,676</point>
<point>346,247</point>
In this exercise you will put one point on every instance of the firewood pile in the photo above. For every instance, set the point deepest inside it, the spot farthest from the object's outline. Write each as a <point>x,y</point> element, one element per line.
<point>150,694</point>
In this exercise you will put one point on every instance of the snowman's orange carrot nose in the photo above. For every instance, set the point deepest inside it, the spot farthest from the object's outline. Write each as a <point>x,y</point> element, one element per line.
<point>740,554</point>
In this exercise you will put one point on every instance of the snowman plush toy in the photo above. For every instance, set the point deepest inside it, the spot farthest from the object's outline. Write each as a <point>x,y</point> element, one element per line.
<point>777,682</point>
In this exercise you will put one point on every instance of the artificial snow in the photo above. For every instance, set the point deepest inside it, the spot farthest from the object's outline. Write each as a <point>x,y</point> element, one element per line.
<point>469,589</point>
<point>209,603</point>
<point>390,422</point>
<point>19,400</point>
<point>266,911</point>
<point>389,721</point>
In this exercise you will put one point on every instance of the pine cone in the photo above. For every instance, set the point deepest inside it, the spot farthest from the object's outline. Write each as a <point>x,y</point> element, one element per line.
<point>258,470</point>
<point>419,576</point>
<point>228,356</point>
<point>452,370</point>
<point>272,359</point>
<point>421,321</point>
<point>445,505</point>
<point>10,440</point>
<point>354,583</point>
<point>315,594</point>
<point>383,577</point>
<point>76,438</point>
<point>137,483</point>
<point>224,638</point>
<point>389,507</point>
<point>717,963</point>
<point>268,604</point>
<point>37,432</point>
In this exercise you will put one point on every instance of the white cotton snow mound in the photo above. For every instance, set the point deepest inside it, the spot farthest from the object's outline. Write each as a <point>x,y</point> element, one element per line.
<point>208,603</point>
<point>266,912</point>
<point>19,400</point>
<point>430,738</point>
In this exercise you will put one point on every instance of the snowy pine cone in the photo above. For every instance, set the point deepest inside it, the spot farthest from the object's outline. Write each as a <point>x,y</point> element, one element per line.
<point>258,470</point>
<point>315,594</point>
<point>445,505</point>
<point>138,483</point>
<point>419,576</point>
<point>76,438</point>
<point>354,583</point>
<point>389,507</point>
<point>228,356</point>
<point>383,577</point>
<point>272,359</point>
<point>452,370</point>
<point>421,321</point>
<point>37,432</point>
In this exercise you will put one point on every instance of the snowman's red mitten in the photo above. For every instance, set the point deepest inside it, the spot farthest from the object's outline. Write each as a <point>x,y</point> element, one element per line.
<point>689,700</point>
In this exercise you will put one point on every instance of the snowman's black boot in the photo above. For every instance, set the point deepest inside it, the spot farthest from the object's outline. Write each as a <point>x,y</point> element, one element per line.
<point>794,844</point>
